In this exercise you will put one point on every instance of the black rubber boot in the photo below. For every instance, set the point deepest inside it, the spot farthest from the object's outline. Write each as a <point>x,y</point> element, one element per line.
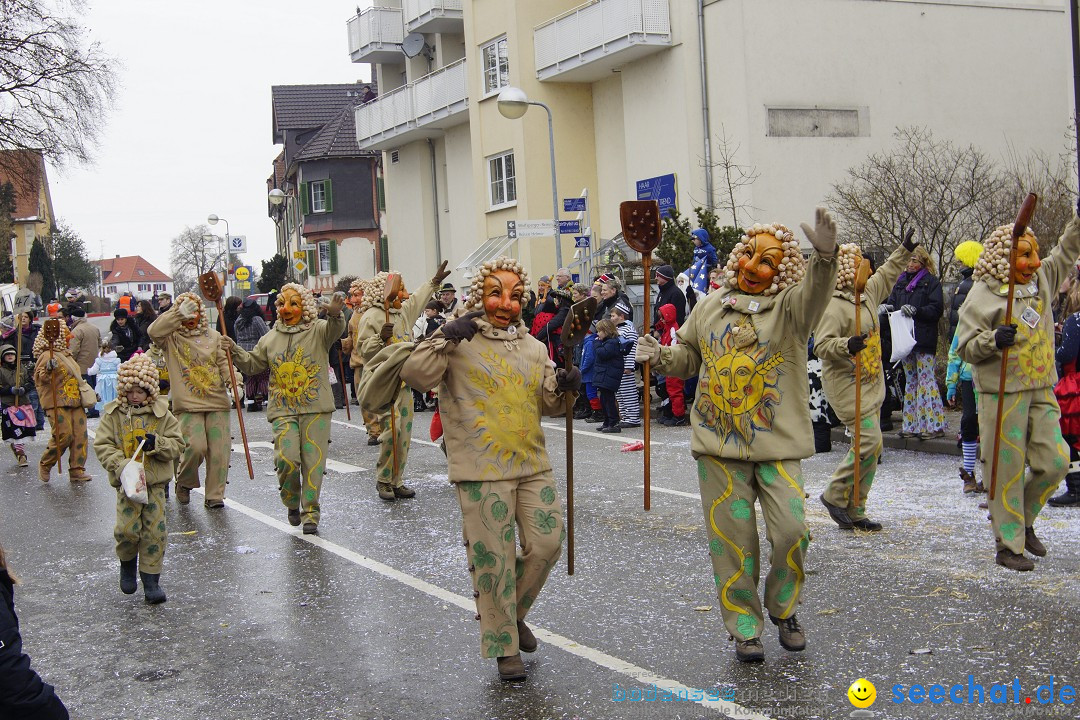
<point>151,590</point>
<point>129,581</point>
<point>1071,496</point>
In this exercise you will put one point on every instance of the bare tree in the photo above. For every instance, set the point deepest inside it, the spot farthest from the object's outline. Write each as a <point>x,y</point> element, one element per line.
<point>1053,180</point>
<point>947,193</point>
<point>735,179</point>
<point>55,87</point>
<point>194,252</point>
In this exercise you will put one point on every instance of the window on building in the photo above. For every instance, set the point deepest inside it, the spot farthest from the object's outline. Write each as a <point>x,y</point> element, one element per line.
<point>141,272</point>
<point>144,287</point>
<point>324,258</point>
<point>496,66</point>
<point>110,290</point>
<point>501,180</point>
<point>316,197</point>
<point>159,287</point>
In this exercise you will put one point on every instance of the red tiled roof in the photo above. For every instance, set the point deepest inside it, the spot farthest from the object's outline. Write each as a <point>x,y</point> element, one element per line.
<point>128,269</point>
<point>30,167</point>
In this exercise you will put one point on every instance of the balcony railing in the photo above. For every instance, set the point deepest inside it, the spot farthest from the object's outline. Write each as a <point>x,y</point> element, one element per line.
<point>586,43</point>
<point>418,110</point>
<point>434,16</point>
<point>375,35</point>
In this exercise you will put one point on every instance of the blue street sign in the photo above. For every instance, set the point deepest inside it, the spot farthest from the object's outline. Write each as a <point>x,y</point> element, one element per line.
<point>573,204</point>
<point>569,227</point>
<point>581,241</point>
<point>662,189</point>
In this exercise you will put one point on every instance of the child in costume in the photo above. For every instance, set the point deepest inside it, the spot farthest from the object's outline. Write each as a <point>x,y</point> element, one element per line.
<point>1030,432</point>
<point>836,343</point>
<point>104,369</point>
<point>667,328</point>
<point>495,381</point>
<point>140,415</point>
<point>628,396</point>
<point>200,396</point>
<point>958,380</point>
<point>751,419</point>
<point>608,373</point>
<point>373,334</point>
<point>351,348</point>
<point>301,400</point>
<point>18,426</point>
<point>57,377</point>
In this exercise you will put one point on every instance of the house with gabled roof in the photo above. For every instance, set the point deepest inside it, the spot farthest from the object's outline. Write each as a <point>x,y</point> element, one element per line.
<point>329,221</point>
<point>131,274</point>
<point>33,217</point>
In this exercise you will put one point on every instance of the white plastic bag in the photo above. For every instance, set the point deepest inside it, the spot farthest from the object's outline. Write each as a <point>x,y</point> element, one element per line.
<point>133,478</point>
<point>903,335</point>
<point>333,376</point>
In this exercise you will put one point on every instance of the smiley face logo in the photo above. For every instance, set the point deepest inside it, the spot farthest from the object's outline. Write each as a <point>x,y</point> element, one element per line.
<point>862,693</point>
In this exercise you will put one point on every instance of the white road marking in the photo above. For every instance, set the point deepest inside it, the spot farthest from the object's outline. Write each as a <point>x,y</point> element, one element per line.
<point>636,673</point>
<point>335,465</point>
<point>361,427</point>
<point>610,437</point>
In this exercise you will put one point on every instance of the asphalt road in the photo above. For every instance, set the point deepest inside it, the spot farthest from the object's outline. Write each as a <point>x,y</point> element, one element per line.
<point>374,617</point>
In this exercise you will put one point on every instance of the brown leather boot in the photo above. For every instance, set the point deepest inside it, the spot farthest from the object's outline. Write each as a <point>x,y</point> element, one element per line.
<point>749,651</point>
<point>970,485</point>
<point>79,475</point>
<point>386,492</point>
<point>404,491</point>
<point>791,633</point>
<point>511,667</point>
<point>526,639</point>
<point>44,472</point>
<point>1009,559</point>
<point>1033,544</point>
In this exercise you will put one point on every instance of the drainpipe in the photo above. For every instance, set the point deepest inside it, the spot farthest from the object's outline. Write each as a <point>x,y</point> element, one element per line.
<point>435,202</point>
<point>705,107</point>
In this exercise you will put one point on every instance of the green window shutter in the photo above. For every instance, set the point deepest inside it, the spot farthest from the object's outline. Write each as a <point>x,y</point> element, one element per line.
<point>380,194</point>
<point>313,261</point>
<point>329,196</point>
<point>305,199</point>
<point>384,254</point>
<point>333,256</point>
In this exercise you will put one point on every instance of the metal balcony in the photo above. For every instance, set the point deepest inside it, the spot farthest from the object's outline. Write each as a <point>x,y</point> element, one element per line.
<point>434,16</point>
<point>585,44</point>
<point>375,36</point>
<point>421,109</point>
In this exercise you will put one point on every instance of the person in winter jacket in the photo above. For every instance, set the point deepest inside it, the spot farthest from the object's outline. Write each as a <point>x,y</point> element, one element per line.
<point>495,381</point>
<point>57,377</point>
<point>351,347</point>
<point>967,254</point>
<point>375,333</point>
<point>144,317</point>
<point>140,416</point>
<point>838,346</point>
<point>704,260</point>
<point>751,419</point>
<point>608,372</point>
<point>249,329</point>
<point>199,388</point>
<point>551,333</point>
<point>1030,429</point>
<point>125,336</point>
<point>13,393</point>
<point>301,401</point>
<point>958,380</point>
<point>594,412</point>
<point>917,294</point>
<point>666,329</point>
<point>1067,354</point>
<point>23,694</point>
<point>668,293</point>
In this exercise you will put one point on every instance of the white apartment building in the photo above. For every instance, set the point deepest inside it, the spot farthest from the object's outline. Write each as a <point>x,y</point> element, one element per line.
<point>640,89</point>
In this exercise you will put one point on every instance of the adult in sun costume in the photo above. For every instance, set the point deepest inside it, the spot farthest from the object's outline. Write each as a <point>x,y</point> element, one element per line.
<point>837,344</point>
<point>199,376</point>
<point>373,334</point>
<point>1030,432</point>
<point>301,400</point>
<point>495,381</point>
<point>357,290</point>
<point>751,421</point>
<point>57,377</point>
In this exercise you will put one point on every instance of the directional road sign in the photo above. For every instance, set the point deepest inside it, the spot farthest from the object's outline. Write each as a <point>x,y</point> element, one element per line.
<point>299,266</point>
<point>569,227</point>
<point>299,254</point>
<point>529,228</point>
<point>573,204</point>
<point>238,243</point>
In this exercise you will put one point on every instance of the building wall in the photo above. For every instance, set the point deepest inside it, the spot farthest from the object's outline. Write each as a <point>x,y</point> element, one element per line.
<point>133,288</point>
<point>408,218</point>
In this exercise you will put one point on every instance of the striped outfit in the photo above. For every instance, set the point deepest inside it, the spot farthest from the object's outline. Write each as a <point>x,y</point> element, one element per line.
<point>627,394</point>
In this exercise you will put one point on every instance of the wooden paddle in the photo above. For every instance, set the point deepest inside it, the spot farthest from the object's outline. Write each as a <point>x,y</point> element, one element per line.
<point>390,292</point>
<point>641,228</point>
<point>861,276</point>
<point>51,331</point>
<point>210,285</point>
<point>574,331</point>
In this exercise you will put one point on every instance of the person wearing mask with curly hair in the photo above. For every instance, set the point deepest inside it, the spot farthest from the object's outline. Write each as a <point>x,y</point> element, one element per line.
<point>57,377</point>
<point>301,399</point>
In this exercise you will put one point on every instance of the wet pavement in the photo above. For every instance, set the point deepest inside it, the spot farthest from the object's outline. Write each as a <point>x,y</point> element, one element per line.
<point>374,618</point>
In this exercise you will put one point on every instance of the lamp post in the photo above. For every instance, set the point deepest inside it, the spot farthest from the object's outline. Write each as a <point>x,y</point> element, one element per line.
<point>513,103</point>
<point>277,197</point>
<point>213,220</point>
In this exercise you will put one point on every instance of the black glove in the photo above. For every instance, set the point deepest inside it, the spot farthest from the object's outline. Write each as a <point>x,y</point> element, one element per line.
<point>149,442</point>
<point>568,380</point>
<point>856,343</point>
<point>441,274</point>
<point>387,332</point>
<point>462,328</point>
<point>18,390</point>
<point>1005,336</point>
<point>883,309</point>
<point>908,244</point>
<point>909,310</point>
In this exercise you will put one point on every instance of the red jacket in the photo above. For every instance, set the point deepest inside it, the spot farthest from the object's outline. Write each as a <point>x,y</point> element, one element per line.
<point>667,325</point>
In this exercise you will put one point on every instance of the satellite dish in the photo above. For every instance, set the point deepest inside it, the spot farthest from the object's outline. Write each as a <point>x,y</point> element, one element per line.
<point>415,44</point>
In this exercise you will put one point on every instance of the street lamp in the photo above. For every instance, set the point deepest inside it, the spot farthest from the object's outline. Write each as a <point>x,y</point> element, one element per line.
<point>513,102</point>
<point>213,220</point>
<point>277,198</point>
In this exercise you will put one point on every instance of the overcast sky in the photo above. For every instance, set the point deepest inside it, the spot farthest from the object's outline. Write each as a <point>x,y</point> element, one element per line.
<point>191,133</point>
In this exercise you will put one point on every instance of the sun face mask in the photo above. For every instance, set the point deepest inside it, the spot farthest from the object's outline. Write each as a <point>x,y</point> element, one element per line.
<point>503,291</point>
<point>290,307</point>
<point>1027,260</point>
<point>759,264</point>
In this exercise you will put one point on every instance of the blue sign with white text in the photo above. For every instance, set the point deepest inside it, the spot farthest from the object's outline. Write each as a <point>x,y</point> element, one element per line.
<point>573,204</point>
<point>569,227</point>
<point>662,189</point>
<point>581,241</point>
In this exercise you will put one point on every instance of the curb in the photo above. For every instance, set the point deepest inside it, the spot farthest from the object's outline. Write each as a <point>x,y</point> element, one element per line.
<point>892,440</point>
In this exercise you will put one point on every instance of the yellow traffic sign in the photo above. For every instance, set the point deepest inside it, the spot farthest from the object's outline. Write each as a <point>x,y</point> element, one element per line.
<point>299,266</point>
<point>242,273</point>
<point>243,285</point>
<point>299,254</point>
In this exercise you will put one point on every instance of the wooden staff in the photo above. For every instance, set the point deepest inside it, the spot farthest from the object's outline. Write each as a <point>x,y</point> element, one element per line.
<point>1023,218</point>
<point>51,330</point>
<point>210,285</point>
<point>574,330</point>
<point>640,220</point>
<point>861,275</point>
<point>344,385</point>
<point>390,292</point>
